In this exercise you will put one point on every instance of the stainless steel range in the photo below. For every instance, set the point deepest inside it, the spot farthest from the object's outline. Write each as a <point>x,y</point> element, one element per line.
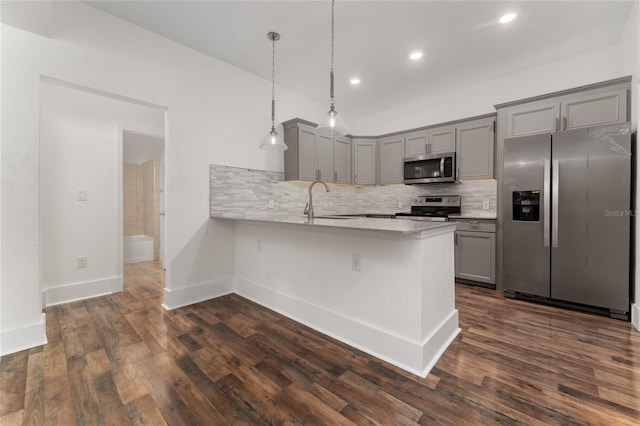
<point>433,208</point>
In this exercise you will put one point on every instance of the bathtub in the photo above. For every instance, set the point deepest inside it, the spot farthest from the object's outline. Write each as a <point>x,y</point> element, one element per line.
<point>138,248</point>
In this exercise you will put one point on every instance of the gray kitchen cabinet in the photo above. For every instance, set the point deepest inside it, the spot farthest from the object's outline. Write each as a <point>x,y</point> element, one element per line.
<point>594,108</point>
<point>309,157</point>
<point>342,160</point>
<point>601,105</point>
<point>364,161</point>
<point>474,149</point>
<point>324,158</point>
<point>441,139</point>
<point>532,118</point>
<point>475,251</point>
<point>390,155</point>
<point>416,143</point>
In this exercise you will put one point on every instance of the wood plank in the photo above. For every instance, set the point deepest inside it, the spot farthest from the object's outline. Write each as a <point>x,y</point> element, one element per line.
<point>13,381</point>
<point>34,392</point>
<point>123,359</point>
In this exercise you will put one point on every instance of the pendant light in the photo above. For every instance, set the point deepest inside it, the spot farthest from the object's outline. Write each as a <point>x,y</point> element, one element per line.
<point>274,140</point>
<point>333,124</point>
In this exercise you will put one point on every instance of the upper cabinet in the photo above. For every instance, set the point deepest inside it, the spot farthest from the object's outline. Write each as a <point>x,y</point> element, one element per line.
<point>571,110</point>
<point>342,160</point>
<point>435,140</point>
<point>474,150</point>
<point>442,139</point>
<point>324,158</point>
<point>390,155</point>
<point>416,143</point>
<point>364,161</point>
<point>315,157</point>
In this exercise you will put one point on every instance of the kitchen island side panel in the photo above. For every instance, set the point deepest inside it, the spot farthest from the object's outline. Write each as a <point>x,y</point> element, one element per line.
<point>399,307</point>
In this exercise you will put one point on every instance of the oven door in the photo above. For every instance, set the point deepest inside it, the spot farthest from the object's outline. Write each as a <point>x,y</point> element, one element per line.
<point>437,168</point>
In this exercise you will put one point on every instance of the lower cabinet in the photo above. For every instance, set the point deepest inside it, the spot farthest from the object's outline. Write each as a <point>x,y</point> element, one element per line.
<point>475,248</point>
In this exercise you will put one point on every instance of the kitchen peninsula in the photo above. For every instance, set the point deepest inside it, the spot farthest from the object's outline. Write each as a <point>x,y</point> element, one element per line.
<point>396,302</point>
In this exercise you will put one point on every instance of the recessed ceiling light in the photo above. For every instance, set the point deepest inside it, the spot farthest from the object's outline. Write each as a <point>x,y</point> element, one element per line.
<point>415,56</point>
<point>508,17</point>
<point>354,81</point>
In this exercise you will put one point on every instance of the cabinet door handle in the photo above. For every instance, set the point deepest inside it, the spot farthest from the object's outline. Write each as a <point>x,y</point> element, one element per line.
<point>426,148</point>
<point>319,174</point>
<point>456,239</point>
<point>335,176</point>
<point>564,123</point>
<point>555,124</point>
<point>356,178</point>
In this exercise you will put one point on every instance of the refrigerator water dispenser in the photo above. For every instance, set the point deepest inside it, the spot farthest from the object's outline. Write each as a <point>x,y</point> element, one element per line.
<point>526,206</point>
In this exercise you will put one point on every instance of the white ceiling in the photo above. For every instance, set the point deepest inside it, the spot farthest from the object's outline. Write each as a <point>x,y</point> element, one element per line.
<point>462,40</point>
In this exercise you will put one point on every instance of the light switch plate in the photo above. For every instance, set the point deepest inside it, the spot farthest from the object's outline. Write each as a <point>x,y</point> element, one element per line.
<point>83,195</point>
<point>485,204</point>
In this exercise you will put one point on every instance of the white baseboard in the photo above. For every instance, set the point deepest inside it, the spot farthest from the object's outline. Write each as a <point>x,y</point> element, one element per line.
<point>635,315</point>
<point>415,357</point>
<point>186,296</point>
<point>18,339</point>
<point>83,290</point>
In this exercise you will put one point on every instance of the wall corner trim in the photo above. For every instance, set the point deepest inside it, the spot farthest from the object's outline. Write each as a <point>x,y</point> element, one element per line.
<point>18,339</point>
<point>197,293</point>
<point>635,315</point>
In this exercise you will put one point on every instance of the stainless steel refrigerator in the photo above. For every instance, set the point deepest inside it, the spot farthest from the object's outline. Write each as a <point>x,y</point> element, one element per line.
<point>567,218</point>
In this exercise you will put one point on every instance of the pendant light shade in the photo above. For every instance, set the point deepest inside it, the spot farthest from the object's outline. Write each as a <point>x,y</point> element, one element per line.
<point>274,140</point>
<point>333,124</point>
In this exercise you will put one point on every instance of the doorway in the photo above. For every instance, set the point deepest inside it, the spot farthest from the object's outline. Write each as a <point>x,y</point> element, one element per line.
<point>142,197</point>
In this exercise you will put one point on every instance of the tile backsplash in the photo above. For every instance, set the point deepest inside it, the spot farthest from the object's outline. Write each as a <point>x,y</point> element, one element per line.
<point>239,191</point>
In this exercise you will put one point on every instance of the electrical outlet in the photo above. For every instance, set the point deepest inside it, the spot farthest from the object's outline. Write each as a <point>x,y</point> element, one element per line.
<point>272,204</point>
<point>83,195</point>
<point>399,204</point>
<point>82,262</point>
<point>258,245</point>
<point>355,262</point>
<point>485,204</point>
<point>331,204</point>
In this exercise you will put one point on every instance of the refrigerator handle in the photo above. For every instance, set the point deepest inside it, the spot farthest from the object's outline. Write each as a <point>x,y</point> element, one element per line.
<point>546,217</point>
<point>555,178</point>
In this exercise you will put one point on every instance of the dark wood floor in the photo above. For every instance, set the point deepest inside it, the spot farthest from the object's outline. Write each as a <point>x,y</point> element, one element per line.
<point>121,359</point>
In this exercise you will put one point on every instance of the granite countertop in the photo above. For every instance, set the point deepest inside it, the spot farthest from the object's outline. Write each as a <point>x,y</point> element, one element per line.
<point>402,227</point>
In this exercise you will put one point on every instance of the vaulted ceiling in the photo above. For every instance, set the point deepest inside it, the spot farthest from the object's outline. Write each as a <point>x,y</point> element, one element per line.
<point>462,41</point>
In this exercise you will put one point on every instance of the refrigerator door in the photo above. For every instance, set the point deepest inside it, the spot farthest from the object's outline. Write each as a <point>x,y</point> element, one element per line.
<point>526,209</point>
<point>590,254</point>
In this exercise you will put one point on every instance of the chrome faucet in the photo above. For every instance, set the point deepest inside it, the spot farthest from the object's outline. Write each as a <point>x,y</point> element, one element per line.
<point>308,209</point>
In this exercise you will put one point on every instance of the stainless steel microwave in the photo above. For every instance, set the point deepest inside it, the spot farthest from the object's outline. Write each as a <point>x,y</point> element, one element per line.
<point>434,168</point>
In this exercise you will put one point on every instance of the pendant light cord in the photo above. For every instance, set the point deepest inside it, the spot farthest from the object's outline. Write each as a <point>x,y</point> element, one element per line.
<point>273,36</point>
<point>331,73</point>
<point>333,5</point>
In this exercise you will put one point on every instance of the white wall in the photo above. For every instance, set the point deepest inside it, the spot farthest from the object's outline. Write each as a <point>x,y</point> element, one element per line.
<point>139,148</point>
<point>467,101</point>
<point>215,114</point>
<point>80,149</point>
